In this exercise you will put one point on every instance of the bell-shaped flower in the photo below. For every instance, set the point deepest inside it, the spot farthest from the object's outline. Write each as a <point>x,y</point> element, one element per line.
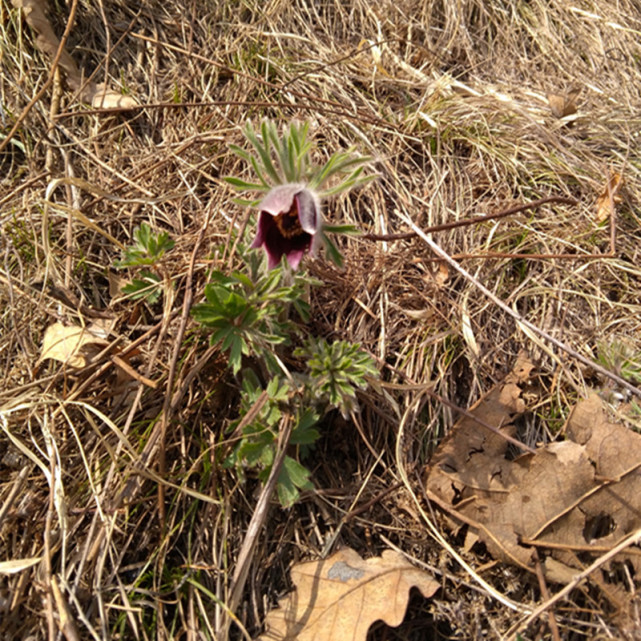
<point>289,224</point>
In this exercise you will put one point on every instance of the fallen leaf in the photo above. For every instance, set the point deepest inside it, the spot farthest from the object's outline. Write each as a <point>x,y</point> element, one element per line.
<point>442,274</point>
<point>101,97</point>
<point>577,496</point>
<point>66,343</point>
<point>467,330</point>
<point>609,197</point>
<point>116,283</point>
<point>563,104</point>
<point>339,598</point>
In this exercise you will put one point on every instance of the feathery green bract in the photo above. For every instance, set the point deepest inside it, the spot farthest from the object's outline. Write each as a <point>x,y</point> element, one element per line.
<point>286,159</point>
<point>148,248</point>
<point>337,369</point>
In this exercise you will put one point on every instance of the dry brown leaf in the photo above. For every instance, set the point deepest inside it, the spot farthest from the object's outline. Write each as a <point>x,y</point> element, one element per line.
<point>116,283</point>
<point>578,495</point>
<point>104,98</point>
<point>564,104</point>
<point>66,343</point>
<point>47,41</point>
<point>442,275</point>
<point>472,455</point>
<point>339,598</point>
<point>609,197</point>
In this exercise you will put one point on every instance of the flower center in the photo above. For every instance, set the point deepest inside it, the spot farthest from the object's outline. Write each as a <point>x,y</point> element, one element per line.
<point>288,223</point>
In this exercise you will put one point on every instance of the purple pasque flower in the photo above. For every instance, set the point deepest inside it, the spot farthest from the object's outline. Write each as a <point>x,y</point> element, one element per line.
<point>289,224</point>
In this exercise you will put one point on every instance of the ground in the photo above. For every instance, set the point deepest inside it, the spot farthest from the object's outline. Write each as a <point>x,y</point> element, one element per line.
<point>112,474</point>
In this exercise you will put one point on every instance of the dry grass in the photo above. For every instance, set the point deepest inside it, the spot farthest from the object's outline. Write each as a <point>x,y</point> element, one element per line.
<point>449,98</point>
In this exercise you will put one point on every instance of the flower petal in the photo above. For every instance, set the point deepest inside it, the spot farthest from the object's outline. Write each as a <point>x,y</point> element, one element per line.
<point>308,211</point>
<point>280,198</point>
<point>263,220</point>
<point>294,257</point>
<point>288,224</point>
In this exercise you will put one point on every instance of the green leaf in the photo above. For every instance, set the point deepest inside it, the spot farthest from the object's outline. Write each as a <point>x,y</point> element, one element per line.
<point>238,183</point>
<point>341,229</point>
<point>235,354</point>
<point>224,330</point>
<point>332,251</point>
<point>304,433</point>
<point>293,476</point>
<point>346,185</point>
<point>307,419</point>
<point>263,152</point>
<point>298,473</point>
<point>254,452</point>
<point>244,202</point>
<point>239,151</point>
<point>148,248</point>
<point>146,288</point>
<point>336,370</point>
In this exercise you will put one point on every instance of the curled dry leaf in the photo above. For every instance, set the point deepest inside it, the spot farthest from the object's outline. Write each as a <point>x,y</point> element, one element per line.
<point>67,343</point>
<point>97,95</point>
<point>577,496</point>
<point>563,104</point>
<point>609,197</point>
<point>339,598</point>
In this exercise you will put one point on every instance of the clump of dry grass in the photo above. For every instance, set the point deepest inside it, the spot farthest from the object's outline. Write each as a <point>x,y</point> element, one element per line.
<point>450,100</point>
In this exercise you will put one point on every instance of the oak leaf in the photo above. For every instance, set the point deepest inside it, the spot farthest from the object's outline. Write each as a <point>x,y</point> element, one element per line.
<point>69,343</point>
<point>581,495</point>
<point>338,599</point>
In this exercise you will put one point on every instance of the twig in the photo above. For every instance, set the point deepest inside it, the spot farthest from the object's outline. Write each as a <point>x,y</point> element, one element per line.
<point>21,187</point>
<point>427,389</point>
<point>313,105</point>
<point>17,486</point>
<point>367,505</point>
<point>633,539</point>
<point>255,525</point>
<point>67,624</point>
<point>433,531</point>
<point>48,572</point>
<point>546,594</point>
<point>124,365</point>
<point>473,221</point>
<point>519,319</point>
<point>167,408</point>
<point>111,362</point>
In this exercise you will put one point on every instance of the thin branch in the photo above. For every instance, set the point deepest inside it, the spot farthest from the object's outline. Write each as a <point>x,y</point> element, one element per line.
<point>168,408</point>
<point>473,221</point>
<point>633,539</point>
<point>257,521</point>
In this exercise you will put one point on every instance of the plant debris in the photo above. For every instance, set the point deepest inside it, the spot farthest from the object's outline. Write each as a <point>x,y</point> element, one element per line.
<point>571,500</point>
<point>340,597</point>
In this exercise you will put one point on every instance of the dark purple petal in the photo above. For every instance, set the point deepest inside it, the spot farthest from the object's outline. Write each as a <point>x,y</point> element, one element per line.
<point>288,224</point>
